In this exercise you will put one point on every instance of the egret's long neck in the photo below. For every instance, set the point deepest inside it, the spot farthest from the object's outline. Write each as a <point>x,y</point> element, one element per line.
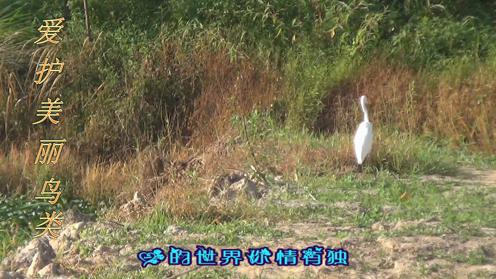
<point>365,112</point>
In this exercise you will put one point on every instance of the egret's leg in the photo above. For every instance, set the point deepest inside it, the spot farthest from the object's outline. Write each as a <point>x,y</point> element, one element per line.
<point>360,168</point>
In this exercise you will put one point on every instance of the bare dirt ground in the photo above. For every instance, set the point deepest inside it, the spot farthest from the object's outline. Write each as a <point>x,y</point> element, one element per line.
<point>375,252</point>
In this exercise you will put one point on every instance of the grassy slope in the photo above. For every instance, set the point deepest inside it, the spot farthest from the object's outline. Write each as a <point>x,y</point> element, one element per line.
<point>427,69</point>
<point>323,200</point>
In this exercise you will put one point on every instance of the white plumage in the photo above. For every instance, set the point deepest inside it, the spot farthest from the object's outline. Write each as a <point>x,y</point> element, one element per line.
<point>364,135</point>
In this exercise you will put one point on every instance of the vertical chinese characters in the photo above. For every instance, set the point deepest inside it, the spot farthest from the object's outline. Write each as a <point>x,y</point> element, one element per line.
<point>49,112</point>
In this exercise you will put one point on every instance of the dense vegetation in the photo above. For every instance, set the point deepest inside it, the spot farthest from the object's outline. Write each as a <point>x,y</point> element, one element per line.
<point>168,77</point>
<point>427,59</point>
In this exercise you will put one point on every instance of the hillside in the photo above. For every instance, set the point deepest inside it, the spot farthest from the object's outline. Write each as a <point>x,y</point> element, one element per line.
<point>229,123</point>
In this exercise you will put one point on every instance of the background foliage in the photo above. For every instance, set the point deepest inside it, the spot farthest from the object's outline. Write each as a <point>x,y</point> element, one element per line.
<point>161,73</point>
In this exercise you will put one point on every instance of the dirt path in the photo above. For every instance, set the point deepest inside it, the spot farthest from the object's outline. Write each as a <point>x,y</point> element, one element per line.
<point>399,249</point>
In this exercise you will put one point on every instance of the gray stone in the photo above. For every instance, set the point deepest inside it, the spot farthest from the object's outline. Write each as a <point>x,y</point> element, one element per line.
<point>230,187</point>
<point>74,216</point>
<point>126,250</point>
<point>134,206</point>
<point>10,275</point>
<point>224,181</point>
<point>36,265</point>
<point>24,257</point>
<point>247,187</point>
<point>49,271</point>
<point>66,238</point>
<point>174,230</point>
<point>378,226</point>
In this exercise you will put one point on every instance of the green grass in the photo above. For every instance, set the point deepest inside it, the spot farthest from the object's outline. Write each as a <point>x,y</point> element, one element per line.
<point>10,240</point>
<point>153,228</point>
<point>146,273</point>
<point>387,178</point>
<point>163,272</point>
<point>228,233</point>
<point>465,208</point>
<point>149,76</point>
<point>317,48</point>
<point>21,216</point>
<point>350,200</point>
<point>473,257</point>
<point>355,200</point>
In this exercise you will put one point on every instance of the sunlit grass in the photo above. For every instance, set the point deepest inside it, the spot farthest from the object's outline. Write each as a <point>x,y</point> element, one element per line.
<point>272,89</point>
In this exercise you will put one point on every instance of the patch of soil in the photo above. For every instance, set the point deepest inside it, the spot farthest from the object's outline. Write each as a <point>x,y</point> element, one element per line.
<point>466,177</point>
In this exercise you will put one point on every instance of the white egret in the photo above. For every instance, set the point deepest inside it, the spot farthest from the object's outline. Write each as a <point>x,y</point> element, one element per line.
<point>363,135</point>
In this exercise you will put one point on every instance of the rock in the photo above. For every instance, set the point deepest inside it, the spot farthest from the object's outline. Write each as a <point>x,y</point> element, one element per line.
<point>126,250</point>
<point>134,206</point>
<point>403,267</point>
<point>224,181</point>
<point>37,264</point>
<point>24,257</point>
<point>377,226</point>
<point>389,245</point>
<point>175,230</point>
<point>11,275</point>
<point>247,187</point>
<point>68,235</point>
<point>233,186</point>
<point>74,216</point>
<point>50,270</point>
<point>137,198</point>
<point>279,179</point>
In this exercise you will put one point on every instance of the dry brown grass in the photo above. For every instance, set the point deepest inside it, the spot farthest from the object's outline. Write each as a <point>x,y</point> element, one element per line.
<point>102,181</point>
<point>197,143</point>
<point>287,158</point>
<point>229,88</point>
<point>462,110</point>
<point>19,174</point>
<point>92,181</point>
<point>16,171</point>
